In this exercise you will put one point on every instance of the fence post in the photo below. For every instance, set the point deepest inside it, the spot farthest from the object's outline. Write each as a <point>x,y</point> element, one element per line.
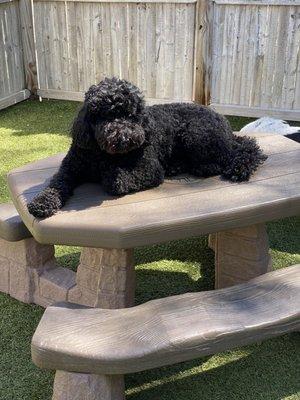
<point>29,56</point>
<point>203,50</point>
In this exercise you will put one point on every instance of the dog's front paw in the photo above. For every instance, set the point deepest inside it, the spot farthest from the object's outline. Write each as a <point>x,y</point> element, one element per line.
<point>45,204</point>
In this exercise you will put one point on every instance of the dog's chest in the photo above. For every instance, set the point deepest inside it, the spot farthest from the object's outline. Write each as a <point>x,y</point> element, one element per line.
<point>100,164</point>
<point>96,167</point>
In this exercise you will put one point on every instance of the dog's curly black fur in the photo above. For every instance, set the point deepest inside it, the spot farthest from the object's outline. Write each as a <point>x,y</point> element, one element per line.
<point>128,147</point>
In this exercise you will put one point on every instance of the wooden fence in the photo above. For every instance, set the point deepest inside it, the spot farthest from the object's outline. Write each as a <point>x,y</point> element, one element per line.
<point>240,56</point>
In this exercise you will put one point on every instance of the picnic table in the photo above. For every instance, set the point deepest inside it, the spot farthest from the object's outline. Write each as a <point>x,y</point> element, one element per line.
<point>109,228</point>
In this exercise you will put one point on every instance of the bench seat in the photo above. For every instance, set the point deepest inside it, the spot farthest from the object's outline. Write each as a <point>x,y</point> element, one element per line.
<point>169,330</point>
<point>12,227</point>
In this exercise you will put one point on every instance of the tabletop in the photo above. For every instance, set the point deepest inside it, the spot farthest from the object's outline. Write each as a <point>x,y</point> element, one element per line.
<point>181,207</point>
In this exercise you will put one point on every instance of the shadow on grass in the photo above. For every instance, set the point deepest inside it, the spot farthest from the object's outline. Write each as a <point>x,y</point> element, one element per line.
<point>182,250</point>
<point>174,268</point>
<point>260,372</point>
<point>154,284</point>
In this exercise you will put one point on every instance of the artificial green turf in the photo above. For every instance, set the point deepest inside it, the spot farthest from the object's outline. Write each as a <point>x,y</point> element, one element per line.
<point>267,371</point>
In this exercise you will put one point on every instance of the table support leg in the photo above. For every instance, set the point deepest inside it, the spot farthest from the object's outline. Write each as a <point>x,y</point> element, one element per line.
<point>21,265</point>
<point>240,255</point>
<point>72,386</point>
<point>105,278</point>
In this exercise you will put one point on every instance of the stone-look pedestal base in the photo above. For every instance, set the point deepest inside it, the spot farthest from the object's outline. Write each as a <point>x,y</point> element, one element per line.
<point>29,273</point>
<point>71,386</point>
<point>105,278</point>
<point>240,255</point>
<point>21,265</point>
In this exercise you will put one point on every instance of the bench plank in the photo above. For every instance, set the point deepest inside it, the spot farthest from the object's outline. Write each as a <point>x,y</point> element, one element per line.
<point>12,228</point>
<point>165,331</point>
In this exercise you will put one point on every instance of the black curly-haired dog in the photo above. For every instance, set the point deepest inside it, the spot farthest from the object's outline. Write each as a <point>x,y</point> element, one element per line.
<point>128,147</point>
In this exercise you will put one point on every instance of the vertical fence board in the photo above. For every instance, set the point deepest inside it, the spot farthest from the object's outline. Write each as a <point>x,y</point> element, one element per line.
<point>133,47</point>
<point>205,30</point>
<point>189,52</point>
<point>261,39</point>
<point>169,22</point>
<point>216,56</point>
<point>71,28</point>
<point>279,64</point>
<point>43,59</point>
<point>27,34</point>
<point>236,70</point>
<point>159,53</point>
<point>292,71</point>
<point>98,42</point>
<point>151,70</point>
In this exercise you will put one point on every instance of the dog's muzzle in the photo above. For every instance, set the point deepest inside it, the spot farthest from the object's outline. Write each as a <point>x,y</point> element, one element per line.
<point>120,136</point>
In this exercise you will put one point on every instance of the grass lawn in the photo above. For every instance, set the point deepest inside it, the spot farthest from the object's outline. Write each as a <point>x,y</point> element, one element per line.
<point>267,370</point>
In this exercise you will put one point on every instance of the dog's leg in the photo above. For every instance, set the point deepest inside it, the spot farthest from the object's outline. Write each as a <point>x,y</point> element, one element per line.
<point>146,174</point>
<point>60,188</point>
<point>246,156</point>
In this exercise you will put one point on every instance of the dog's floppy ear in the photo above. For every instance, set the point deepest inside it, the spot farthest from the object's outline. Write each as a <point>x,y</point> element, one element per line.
<point>81,130</point>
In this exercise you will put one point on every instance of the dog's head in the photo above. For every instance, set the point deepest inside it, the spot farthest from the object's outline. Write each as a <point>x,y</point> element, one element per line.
<point>110,117</point>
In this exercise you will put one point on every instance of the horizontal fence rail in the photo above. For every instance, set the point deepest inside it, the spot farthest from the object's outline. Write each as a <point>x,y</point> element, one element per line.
<point>125,1</point>
<point>259,2</point>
